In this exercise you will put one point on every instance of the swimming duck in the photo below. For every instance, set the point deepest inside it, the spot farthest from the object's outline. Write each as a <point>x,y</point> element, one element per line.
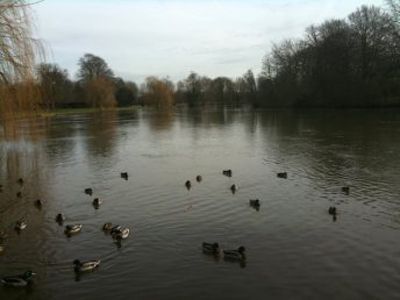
<point>20,225</point>
<point>332,211</point>
<point>199,178</point>
<point>89,191</point>
<point>188,184</point>
<point>227,173</point>
<point>233,188</point>
<point>72,229</point>
<point>86,266</point>
<point>107,226</point>
<point>97,202</point>
<point>20,181</point>
<point>18,280</point>
<point>235,254</point>
<point>282,175</point>
<point>255,203</point>
<point>60,218</point>
<point>346,190</point>
<point>38,203</point>
<point>121,234</point>
<point>116,229</point>
<point>124,175</point>
<point>19,194</point>
<point>211,248</point>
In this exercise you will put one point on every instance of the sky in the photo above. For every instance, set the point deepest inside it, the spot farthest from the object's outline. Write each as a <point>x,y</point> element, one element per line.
<point>140,38</point>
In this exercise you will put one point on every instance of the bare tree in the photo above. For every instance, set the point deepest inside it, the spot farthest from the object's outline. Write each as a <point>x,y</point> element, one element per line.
<point>18,52</point>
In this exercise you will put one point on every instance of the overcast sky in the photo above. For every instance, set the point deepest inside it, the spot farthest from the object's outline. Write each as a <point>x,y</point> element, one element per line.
<point>142,38</point>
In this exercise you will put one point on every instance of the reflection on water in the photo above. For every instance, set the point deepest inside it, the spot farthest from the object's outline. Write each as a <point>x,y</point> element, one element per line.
<point>294,248</point>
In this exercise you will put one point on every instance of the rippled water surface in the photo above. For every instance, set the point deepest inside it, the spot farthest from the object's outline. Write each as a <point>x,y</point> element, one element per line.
<point>295,250</point>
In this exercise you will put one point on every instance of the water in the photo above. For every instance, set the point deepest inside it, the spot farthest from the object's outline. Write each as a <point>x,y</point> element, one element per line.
<point>294,248</point>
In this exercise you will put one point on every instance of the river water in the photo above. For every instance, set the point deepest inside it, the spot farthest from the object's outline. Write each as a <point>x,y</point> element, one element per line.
<point>295,249</point>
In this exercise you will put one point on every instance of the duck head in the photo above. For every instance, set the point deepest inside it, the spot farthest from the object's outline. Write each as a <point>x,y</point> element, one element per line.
<point>241,249</point>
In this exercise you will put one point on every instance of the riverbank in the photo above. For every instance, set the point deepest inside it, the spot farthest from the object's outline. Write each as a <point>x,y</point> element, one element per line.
<point>83,110</point>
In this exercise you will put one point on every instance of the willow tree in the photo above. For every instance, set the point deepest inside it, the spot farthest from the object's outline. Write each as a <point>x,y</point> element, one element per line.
<point>19,51</point>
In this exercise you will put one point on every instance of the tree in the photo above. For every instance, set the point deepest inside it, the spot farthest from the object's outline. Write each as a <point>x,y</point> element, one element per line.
<point>157,92</point>
<point>18,53</point>
<point>55,87</point>
<point>93,67</point>
<point>394,6</point>
<point>126,92</point>
<point>100,93</point>
<point>97,79</point>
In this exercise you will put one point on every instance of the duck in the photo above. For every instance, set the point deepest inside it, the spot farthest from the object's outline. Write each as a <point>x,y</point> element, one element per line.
<point>124,175</point>
<point>233,188</point>
<point>20,225</point>
<point>116,229</point>
<point>72,229</point>
<point>346,190</point>
<point>97,202</point>
<point>89,191</point>
<point>199,178</point>
<point>282,175</point>
<point>211,248</point>
<point>122,234</point>
<point>227,173</point>
<point>235,254</point>
<point>20,181</point>
<point>18,280</point>
<point>255,203</point>
<point>332,211</point>
<point>19,194</point>
<point>38,203</point>
<point>60,218</point>
<point>87,266</point>
<point>107,226</point>
<point>188,184</point>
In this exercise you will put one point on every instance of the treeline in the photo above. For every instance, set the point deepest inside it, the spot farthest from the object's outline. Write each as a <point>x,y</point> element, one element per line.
<point>96,86</point>
<point>351,62</point>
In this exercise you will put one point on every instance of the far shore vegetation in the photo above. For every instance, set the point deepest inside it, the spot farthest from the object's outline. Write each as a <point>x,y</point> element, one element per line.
<point>341,63</point>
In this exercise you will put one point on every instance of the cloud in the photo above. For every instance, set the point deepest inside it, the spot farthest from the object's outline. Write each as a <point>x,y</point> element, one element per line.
<point>141,38</point>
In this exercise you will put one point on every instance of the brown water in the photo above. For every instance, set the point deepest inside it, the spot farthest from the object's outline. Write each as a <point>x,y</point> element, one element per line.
<point>294,248</point>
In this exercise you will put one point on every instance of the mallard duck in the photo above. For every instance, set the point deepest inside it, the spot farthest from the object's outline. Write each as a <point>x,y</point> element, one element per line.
<point>121,234</point>
<point>332,211</point>
<point>235,254</point>
<point>38,203</point>
<point>188,184</point>
<point>233,188</point>
<point>20,225</point>
<point>124,175</point>
<point>227,173</point>
<point>199,178</point>
<point>346,190</point>
<point>20,181</point>
<point>282,175</point>
<point>86,266</point>
<point>116,229</point>
<point>60,218</point>
<point>107,226</point>
<point>89,191</point>
<point>19,194</point>
<point>254,203</point>
<point>211,248</point>
<point>72,229</point>
<point>97,202</point>
<point>18,280</point>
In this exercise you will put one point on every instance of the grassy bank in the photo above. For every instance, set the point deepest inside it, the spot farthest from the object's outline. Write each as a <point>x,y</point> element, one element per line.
<point>83,110</point>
